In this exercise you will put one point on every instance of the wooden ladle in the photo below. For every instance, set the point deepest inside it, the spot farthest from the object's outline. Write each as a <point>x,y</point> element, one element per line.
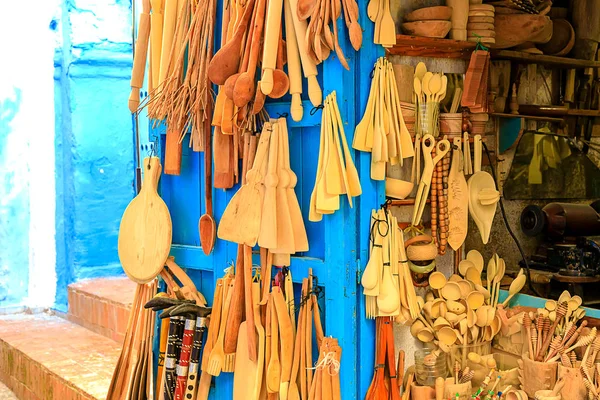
<point>207,226</point>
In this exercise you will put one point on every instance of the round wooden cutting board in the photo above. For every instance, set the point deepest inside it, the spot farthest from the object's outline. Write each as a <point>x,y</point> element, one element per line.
<point>145,232</point>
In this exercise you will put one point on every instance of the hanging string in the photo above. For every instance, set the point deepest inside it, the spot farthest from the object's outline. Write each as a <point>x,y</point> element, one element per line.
<point>328,362</point>
<point>478,44</point>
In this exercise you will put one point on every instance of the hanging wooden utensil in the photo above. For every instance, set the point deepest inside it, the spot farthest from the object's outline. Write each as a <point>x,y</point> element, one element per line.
<point>458,205</point>
<point>241,219</point>
<point>206,225</point>
<point>145,229</point>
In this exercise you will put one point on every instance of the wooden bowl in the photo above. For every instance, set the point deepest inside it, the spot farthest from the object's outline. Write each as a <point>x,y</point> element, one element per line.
<point>562,40</point>
<point>438,13</point>
<point>515,29</point>
<point>432,29</point>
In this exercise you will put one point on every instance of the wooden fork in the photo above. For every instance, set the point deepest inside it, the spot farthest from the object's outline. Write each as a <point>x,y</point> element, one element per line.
<point>217,355</point>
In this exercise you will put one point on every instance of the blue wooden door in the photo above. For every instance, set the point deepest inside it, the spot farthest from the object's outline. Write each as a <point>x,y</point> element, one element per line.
<point>338,244</point>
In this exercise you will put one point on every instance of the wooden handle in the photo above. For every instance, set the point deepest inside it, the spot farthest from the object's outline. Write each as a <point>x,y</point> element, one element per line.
<point>208,163</point>
<point>152,170</point>
<point>269,57</point>
<point>257,30</point>
<point>156,31</point>
<point>308,66</point>
<point>139,61</point>
<point>293,61</point>
<point>286,334</point>
<point>391,361</point>
<point>237,306</point>
<point>170,17</point>
<point>250,325</point>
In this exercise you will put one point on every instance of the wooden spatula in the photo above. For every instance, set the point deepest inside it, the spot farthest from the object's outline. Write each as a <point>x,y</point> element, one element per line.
<point>274,367</point>
<point>458,199</point>
<point>145,230</point>
<point>300,238</point>
<point>268,225</point>
<point>240,222</point>
<point>285,229</point>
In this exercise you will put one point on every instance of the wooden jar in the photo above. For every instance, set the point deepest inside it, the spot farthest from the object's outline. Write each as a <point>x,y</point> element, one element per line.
<point>547,395</point>
<point>574,388</point>
<point>464,390</point>
<point>535,376</point>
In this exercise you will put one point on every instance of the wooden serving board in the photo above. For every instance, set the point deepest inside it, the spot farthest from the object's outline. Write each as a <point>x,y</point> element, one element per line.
<point>145,232</point>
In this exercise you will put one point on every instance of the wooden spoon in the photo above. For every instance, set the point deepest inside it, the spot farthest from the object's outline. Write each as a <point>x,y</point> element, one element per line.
<point>207,226</point>
<point>243,91</point>
<point>225,62</point>
<point>366,124</point>
<point>354,29</point>
<point>353,181</point>
<point>305,8</point>
<point>338,49</point>
<point>458,193</point>
<point>281,83</point>
<point>373,9</point>
<point>515,287</point>
<point>293,390</point>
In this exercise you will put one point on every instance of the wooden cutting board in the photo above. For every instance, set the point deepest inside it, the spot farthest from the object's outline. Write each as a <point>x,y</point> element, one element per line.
<point>145,232</point>
<point>458,200</point>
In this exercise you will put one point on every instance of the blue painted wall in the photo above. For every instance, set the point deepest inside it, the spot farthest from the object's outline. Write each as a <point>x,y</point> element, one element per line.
<point>94,138</point>
<point>14,203</point>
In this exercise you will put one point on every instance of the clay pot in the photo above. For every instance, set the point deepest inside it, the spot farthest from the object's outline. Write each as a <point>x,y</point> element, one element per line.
<point>574,387</point>
<point>422,392</point>
<point>516,395</point>
<point>535,376</point>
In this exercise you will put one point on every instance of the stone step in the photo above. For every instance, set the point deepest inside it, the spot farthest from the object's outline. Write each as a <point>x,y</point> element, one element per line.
<point>44,357</point>
<point>102,305</point>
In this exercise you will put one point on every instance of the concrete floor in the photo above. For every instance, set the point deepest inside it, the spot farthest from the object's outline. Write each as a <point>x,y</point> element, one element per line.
<point>5,393</point>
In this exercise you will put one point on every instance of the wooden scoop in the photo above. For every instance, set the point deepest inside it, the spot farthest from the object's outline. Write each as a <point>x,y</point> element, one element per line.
<point>145,227</point>
<point>281,82</point>
<point>225,62</point>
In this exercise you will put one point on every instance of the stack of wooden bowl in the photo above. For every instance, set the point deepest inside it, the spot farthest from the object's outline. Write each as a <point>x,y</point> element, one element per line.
<point>408,113</point>
<point>480,25</point>
<point>431,22</point>
<point>478,123</point>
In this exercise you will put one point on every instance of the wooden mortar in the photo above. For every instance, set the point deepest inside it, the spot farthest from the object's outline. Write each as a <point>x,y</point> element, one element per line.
<point>536,375</point>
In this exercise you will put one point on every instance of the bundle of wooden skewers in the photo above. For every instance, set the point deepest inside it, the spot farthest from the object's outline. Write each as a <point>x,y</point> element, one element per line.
<point>180,34</point>
<point>184,318</point>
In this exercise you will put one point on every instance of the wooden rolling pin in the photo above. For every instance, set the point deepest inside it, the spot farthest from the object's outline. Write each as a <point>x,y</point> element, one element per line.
<point>309,68</point>
<point>293,62</point>
<point>170,18</point>
<point>139,58</point>
<point>269,58</point>
<point>156,20</point>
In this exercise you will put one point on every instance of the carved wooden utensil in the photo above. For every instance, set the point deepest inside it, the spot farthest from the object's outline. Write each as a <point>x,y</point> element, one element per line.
<point>145,230</point>
<point>207,226</point>
<point>225,62</point>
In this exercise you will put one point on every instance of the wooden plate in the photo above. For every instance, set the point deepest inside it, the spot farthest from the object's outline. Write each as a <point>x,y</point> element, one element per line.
<point>481,14</point>
<point>480,25</point>
<point>483,33</point>
<point>484,40</point>
<point>515,29</point>
<point>439,13</point>
<point>481,7</point>
<point>478,20</point>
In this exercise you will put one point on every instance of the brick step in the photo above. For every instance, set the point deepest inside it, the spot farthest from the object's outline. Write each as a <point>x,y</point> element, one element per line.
<point>44,357</point>
<point>102,305</point>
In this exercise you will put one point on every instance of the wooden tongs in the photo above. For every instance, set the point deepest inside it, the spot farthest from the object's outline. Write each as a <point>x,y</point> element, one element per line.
<point>442,148</point>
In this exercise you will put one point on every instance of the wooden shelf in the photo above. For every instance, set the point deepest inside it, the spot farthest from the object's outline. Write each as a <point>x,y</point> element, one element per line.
<point>553,61</point>
<point>417,46</point>
<point>583,113</point>
<point>531,117</point>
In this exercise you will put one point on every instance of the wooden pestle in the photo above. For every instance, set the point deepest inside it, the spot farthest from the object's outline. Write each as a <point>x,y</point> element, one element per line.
<point>561,311</point>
